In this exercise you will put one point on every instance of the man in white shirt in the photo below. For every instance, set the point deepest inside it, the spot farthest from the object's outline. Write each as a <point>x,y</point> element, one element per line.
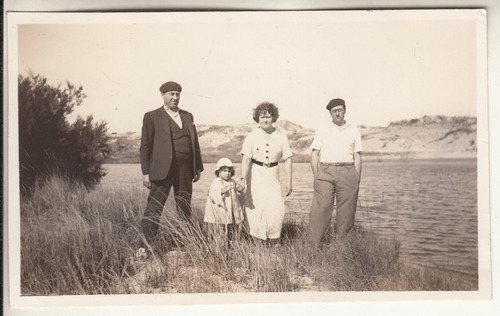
<point>336,166</point>
<point>170,157</point>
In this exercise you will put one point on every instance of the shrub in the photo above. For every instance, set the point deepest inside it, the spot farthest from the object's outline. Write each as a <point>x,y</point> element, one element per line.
<point>48,143</point>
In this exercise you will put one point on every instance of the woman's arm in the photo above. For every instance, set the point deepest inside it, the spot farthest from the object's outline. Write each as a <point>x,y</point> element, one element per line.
<point>246,162</point>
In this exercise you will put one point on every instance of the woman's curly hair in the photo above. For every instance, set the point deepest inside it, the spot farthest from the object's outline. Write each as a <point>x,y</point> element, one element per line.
<point>266,107</point>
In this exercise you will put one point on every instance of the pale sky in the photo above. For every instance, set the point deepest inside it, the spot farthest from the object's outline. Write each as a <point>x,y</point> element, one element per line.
<point>388,66</point>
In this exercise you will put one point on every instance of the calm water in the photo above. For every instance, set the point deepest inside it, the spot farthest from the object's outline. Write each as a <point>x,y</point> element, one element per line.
<point>431,206</point>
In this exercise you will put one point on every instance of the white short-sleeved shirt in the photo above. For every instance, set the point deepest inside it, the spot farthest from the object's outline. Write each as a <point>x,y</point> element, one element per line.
<point>265,150</point>
<point>337,143</point>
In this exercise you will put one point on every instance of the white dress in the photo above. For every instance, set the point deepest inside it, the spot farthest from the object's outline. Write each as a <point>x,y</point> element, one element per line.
<point>264,205</point>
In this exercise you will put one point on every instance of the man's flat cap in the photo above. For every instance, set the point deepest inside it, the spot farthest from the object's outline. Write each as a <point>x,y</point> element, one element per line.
<point>170,86</point>
<point>335,102</point>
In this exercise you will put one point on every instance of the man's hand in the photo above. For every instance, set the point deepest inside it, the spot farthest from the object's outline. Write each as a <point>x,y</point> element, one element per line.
<point>145,181</point>
<point>197,176</point>
<point>358,165</point>
<point>288,190</point>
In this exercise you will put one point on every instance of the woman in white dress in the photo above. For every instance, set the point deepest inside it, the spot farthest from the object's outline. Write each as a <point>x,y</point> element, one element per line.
<point>262,149</point>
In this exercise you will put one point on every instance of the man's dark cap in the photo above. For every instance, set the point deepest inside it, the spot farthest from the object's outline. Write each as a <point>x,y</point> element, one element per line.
<point>335,102</point>
<point>170,86</point>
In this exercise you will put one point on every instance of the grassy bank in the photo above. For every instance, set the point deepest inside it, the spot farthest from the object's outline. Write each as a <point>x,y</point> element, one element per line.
<point>79,242</point>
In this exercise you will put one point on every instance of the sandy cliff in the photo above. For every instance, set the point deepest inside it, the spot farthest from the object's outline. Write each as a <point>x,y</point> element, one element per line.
<point>426,137</point>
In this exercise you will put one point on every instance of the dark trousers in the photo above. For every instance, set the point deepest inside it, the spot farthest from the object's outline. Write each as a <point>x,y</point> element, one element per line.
<point>180,177</point>
<point>333,182</point>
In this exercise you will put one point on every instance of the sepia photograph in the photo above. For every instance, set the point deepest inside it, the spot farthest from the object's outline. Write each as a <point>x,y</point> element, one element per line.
<point>240,157</point>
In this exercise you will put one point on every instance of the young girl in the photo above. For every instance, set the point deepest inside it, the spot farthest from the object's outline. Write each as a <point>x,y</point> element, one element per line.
<point>223,206</point>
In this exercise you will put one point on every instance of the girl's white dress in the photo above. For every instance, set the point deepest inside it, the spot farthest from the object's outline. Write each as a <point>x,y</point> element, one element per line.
<point>222,208</point>
<point>264,205</point>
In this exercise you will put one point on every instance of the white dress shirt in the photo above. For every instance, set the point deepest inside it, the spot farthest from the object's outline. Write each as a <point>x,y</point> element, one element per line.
<point>337,143</point>
<point>176,116</point>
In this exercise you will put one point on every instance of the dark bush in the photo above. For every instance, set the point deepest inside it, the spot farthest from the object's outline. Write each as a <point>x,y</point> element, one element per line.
<point>48,143</point>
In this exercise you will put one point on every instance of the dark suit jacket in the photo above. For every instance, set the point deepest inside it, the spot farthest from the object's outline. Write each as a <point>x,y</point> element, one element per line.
<point>156,151</point>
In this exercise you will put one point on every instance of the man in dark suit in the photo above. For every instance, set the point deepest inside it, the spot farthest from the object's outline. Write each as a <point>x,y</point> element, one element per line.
<point>170,156</point>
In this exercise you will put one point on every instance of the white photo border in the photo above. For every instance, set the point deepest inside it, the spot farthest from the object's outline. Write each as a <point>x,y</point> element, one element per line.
<point>13,241</point>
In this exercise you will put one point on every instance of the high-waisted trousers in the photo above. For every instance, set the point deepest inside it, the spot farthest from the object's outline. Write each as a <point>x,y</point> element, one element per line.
<point>340,183</point>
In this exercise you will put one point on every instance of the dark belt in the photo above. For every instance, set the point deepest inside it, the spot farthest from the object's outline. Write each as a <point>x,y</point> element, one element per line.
<point>268,165</point>
<point>338,164</point>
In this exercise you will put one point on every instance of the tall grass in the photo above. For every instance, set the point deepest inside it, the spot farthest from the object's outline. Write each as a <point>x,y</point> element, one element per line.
<point>79,242</point>
<point>75,242</point>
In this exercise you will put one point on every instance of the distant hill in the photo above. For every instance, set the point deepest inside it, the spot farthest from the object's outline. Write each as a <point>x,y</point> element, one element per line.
<point>124,148</point>
<point>426,137</point>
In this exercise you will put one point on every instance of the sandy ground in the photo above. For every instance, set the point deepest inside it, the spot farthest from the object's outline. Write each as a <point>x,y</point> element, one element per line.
<point>144,269</point>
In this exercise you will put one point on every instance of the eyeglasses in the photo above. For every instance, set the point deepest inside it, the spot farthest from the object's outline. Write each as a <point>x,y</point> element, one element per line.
<point>337,111</point>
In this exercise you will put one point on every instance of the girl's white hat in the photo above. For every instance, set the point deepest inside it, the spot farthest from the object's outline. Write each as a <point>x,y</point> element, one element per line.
<point>224,162</point>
